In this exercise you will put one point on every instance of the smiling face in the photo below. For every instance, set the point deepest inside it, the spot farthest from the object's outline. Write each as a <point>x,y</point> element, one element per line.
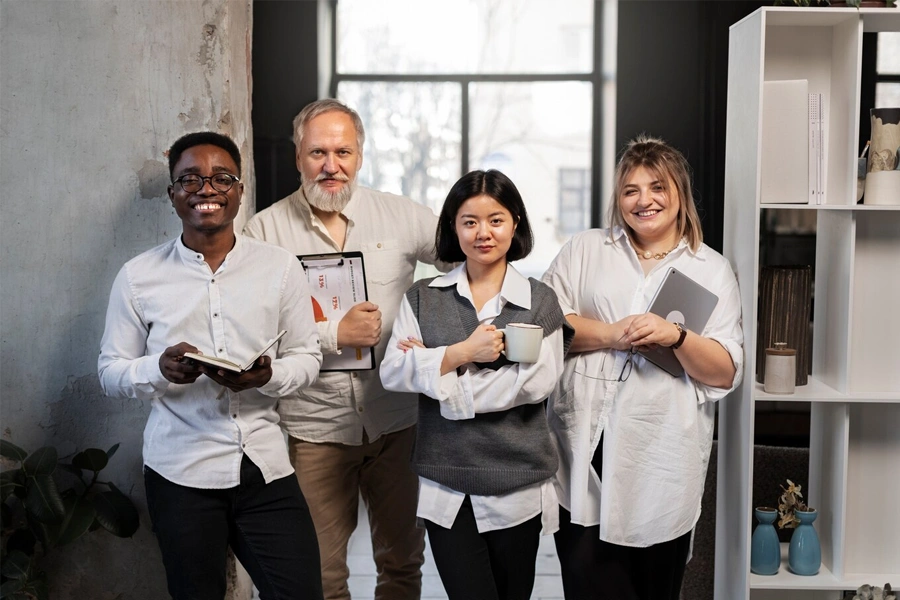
<point>649,206</point>
<point>328,160</point>
<point>207,211</point>
<point>485,229</point>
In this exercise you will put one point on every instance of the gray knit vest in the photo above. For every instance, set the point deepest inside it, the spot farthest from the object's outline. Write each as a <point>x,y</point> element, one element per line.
<point>494,453</point>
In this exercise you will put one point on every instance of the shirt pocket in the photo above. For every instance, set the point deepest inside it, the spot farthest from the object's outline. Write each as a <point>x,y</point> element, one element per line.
<point>383,261</point>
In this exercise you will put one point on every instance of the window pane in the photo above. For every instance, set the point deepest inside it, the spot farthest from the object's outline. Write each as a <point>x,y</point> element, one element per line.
<point>464,36</point>
<point>536,133</point>
<point>412,136</point>
<point>888,53</point>
<point>887,95</point>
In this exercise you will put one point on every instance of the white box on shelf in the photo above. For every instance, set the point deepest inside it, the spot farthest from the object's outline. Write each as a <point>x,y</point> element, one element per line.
<point>784,170</point>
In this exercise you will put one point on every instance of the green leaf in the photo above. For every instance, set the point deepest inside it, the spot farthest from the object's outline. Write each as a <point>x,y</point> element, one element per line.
<point>10,587</point>
<point>116,513</point>
<point>79,516</point>
<point>38,589</point>
<point>92,459</point>
<point>44,501</point>
<point>11,451</point>
<point>111,451</point>
<point>9,481</point>
<point>16,566</point>
<point>42,462</point>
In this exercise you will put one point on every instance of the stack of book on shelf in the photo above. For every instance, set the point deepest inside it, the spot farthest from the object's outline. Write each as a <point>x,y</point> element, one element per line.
<point>793,144</point>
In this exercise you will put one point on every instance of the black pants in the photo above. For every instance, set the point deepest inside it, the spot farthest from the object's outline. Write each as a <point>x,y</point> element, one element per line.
<point>495,565</point>
<point>596,570</point>
<point>267,526</point>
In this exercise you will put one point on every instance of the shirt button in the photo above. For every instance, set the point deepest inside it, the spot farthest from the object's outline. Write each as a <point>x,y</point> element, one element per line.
<point>221,350</point>
<point>244,445</point>
<point>234,416</point>
<point>212,280</point>
<point>360,409</point>
<point>379,244</point>
<point>215,314</point>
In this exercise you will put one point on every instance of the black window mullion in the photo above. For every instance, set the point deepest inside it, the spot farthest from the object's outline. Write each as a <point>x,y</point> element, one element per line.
<point>464,125</point>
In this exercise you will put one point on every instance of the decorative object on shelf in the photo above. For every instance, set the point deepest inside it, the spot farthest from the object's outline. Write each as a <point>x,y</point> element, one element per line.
<point>869,592</point>
<point>804,551</point>
<point>883,168</point>
<point>785,297</point>
<point>791,500</point>
<point>765,550</point>
<point>781,369</point>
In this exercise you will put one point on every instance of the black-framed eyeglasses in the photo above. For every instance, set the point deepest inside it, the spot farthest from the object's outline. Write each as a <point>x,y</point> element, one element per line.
<point>626,368</point>
<point>221,182</point>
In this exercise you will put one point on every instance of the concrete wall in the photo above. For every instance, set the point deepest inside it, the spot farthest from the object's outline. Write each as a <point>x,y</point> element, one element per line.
<point>93,93</point>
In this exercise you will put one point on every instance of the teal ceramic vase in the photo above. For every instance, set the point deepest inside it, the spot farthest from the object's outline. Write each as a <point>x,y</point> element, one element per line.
<point>765,551</point>
<point>805,552</point>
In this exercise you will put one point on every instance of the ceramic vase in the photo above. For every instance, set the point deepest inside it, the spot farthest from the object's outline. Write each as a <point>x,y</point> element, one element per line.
<point>883,167</point>
<point>765,551</point>
<point>785,298</point>
<point>805,552</point>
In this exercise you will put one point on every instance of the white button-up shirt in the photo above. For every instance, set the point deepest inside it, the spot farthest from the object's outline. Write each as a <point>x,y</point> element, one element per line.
<point>197,433</point>
<point>393,232</point>
<point>461,396</point>
<point>657,430</point>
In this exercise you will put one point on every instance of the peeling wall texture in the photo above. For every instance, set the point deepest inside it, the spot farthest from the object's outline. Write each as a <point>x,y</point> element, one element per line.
<point>91,96</point>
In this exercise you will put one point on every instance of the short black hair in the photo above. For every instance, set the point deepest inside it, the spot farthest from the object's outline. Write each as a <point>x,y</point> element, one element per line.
<point>498,186</point>
<point>201,138</point>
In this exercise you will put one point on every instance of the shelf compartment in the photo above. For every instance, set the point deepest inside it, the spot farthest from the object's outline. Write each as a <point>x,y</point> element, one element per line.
<point>817,391</point>
<point>823,580</point>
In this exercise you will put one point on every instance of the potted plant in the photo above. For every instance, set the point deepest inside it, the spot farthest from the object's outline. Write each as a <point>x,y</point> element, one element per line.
<point>48,503</point>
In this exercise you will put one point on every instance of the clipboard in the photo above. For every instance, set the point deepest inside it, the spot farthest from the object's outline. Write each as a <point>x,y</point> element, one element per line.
<point>337,281</point>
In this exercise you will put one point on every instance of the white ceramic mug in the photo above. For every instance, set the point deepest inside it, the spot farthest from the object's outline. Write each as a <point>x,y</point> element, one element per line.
<point>522,342</point>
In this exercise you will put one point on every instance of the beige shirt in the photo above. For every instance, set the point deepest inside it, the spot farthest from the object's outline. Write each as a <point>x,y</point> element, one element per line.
<point>393,233</point>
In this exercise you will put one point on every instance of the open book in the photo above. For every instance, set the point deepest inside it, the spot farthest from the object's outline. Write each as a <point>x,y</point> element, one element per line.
<point>221,363</point>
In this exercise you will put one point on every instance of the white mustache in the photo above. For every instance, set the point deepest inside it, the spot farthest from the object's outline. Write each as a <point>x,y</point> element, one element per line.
<point>336,177</point>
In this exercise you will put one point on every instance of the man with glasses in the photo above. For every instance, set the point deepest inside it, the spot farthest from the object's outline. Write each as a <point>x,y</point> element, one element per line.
<point>348,436</point>
<point>216,469</point>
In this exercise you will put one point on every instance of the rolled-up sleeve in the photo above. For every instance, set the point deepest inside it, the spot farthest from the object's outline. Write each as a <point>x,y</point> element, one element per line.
<point>725,327</point>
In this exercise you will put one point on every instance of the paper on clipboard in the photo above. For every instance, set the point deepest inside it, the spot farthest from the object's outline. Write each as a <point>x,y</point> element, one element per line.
<point>337,282</point>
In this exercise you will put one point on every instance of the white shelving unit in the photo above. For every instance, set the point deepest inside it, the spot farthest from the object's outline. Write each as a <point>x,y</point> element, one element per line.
<point>854,389</point>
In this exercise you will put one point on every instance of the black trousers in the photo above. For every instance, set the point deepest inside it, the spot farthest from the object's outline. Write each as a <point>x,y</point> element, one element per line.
<point>267,526</point>
<point>495,565</point>
<point>596,570</point>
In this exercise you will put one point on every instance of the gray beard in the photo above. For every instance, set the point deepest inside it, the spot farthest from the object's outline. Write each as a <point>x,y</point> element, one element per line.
<point>326,201</point>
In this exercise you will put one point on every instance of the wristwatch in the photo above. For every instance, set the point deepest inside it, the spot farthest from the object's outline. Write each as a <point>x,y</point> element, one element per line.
<point>682,334</point>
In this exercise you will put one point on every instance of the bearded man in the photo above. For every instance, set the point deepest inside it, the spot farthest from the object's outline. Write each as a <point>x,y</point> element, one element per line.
<point>347,436</point>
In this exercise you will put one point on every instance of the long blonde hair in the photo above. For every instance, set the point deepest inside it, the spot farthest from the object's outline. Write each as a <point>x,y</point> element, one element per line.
<point>667,164</point>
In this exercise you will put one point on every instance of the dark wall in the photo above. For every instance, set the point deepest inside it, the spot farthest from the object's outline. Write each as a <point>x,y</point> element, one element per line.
<point>672,82</point>
<point>285,79</point>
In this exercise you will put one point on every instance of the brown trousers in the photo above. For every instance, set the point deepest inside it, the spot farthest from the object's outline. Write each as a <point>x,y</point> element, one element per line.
<point>332,478</point>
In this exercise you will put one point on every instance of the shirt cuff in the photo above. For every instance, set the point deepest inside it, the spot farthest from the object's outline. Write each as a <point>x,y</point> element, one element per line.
<point>328,331</point>
<point>455,394</point>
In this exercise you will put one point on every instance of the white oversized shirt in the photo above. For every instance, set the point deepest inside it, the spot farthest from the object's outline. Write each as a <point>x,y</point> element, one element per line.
<point>461,396</point>
<point>657,429</point>
<point>393,232</point>
<point>197,433</point>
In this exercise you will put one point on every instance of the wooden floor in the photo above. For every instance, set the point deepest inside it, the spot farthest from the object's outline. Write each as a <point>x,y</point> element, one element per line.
<point>547,584</point>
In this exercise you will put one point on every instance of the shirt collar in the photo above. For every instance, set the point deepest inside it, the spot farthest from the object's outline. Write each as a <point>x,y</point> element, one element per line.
<point>618,237</point>
<point>192,256</point>
<point>516,288</point>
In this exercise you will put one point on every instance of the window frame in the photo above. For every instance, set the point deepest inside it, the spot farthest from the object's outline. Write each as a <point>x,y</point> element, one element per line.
<point>595,77</point>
